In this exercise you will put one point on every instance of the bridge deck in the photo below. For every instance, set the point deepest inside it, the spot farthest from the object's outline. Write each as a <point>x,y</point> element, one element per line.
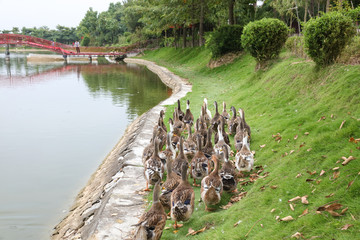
<point>16,39</point>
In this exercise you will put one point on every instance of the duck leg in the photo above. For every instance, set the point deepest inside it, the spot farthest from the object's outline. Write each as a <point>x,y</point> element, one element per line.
<point>195,185</point>
<point>147,189</point>
<point>176,225</point>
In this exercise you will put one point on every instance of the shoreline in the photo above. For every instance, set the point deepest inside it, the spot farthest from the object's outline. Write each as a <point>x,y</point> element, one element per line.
<point>112,202</point>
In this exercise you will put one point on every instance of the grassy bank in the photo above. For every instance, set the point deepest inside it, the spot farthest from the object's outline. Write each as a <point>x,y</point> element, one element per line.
<point>304,108</point>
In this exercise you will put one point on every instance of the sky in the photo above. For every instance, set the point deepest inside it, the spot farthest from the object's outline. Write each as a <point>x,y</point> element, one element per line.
<point>50,13</point>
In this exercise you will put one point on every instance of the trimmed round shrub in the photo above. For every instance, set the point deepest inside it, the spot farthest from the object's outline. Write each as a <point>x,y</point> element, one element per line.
<point>326,36</point>
<point>264,38</point>
<point>224,40</point>
<point>85,41</point>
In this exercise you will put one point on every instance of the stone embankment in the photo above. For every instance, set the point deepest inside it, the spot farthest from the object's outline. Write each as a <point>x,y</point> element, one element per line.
<point>112,202</point>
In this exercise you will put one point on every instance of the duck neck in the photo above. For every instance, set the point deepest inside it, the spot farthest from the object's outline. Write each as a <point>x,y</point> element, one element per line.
<point>188,105</point>
<point>199,143</point>
<point>156,193</point>
<point>181,153</point>
<point>216,165</point>
<point>224,107</point>
<point>189,131</point>
<point>216,107</point>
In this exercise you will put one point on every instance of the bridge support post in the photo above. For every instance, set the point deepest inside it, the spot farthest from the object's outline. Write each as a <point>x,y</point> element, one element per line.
<point>90,58</point>
<point>7,52</point>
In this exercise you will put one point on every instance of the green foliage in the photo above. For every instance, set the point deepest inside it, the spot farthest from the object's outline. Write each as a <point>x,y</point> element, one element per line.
<point>224,40</point>
<point>264,38</point>
<point>327,36</point>
<point>354,14</point>
<point>85,41</point>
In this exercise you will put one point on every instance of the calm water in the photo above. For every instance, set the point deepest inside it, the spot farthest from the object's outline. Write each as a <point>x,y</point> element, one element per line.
<point>57,124</point>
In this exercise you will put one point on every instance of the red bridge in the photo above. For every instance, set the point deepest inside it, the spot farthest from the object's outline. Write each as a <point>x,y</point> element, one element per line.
<point>65,50</point>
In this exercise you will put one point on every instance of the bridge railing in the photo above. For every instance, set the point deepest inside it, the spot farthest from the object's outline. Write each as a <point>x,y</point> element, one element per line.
<point>24,39</point>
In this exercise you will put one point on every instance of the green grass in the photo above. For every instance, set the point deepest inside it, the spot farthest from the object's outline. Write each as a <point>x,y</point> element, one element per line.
<point>289,98</point>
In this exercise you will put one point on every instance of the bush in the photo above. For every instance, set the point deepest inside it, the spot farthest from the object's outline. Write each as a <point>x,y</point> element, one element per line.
<point>264,38</point>
<point>326,36</point>
<point>85,41</point>
<point>224,40</point>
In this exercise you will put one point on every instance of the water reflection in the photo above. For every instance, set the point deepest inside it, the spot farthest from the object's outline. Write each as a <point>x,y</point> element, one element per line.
<point>57,123</point>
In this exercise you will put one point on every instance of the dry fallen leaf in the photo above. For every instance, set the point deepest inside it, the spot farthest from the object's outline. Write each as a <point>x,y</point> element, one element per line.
<point>292,151</point>
<point>322,172</point>
<point>306,133</point>
<point>330,195</point>
<point>286,219</point>
<point>297,235</point>
<point>304,200</point>
<point>336,168</point>
<point>322,118</point>
<point>299,175</point>
<point>296,136</point>
<point>309,149</point>
<point>352,216</point>
<point>306,211</point>
<point>272,210</point>
<point>344,211</point>
<point>291,207</point>
<point>347,160</point>
<point>295,199</point>
<point>175,231</point>
<point>342,124</point>
<point>350,183</point>
<point>336,174</point>
<point>262,146</point>
<point>311,173</point>
<point>354,140</point>
<point>273,187</point>
<point>346,226</point>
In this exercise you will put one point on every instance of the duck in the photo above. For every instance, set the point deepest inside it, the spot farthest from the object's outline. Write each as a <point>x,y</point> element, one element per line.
<point>154,168</point>
<point>199,164</point>
<point>189,117</point>
<point>233,122</point>
<point>200,130</point>
<point>169,151</point>
<point>209,148</point>
<point>171,182</point>
<point>228,173</point>
<point>246,126</point>
<point>162,114</point>
<point>224,134</point>
<point>182,199</point>
<point>205,104</point>
<point>178,124</point>
<point>212,186</point>
<point>160,133</point>
<point>175,139</point>
<point>215,121</point>
<point>205,116</point>
<point>225,114</point>
<point>149,149</point>
<point>239,136</point>
<point>218,147</point>
<point>244,159</point>
<point>151,224</point>
<point>180,159</point>
<point>189,145</point>
<point>179,112</point>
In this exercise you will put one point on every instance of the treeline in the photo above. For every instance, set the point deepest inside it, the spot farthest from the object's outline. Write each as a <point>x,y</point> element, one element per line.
<point>181,22</point>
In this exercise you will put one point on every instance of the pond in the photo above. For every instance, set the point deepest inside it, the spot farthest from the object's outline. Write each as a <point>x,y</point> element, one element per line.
<point>57,123</point>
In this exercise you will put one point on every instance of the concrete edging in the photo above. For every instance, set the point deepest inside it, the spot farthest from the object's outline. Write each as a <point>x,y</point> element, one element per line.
<point>108,206</point>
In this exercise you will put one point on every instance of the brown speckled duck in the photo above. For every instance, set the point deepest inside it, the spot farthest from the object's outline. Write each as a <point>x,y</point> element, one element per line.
<point>189,117</point>
<point>228,173</point>
<point>180,159</point>
<point>224,134</point>
<point>244,159</point>
<point>179,112</point>
<point>225,114</point>
<point>189,145</point>
<point>182,199</point>
<point>151,224</point>
<point>172,181</point>
<point>154,168</point>
<point>246,126</point>
<point>239,136</point>
<point>218,147</point>
<point>209,148</point>
<point>179,125</point>
<point>199,164</point>
<point>175,138</point>
<point>212,186</point>
<point>233,122</point>
<point>215,121</point>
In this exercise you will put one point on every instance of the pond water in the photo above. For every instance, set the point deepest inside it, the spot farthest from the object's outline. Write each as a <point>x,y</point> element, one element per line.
<point>57,123</point>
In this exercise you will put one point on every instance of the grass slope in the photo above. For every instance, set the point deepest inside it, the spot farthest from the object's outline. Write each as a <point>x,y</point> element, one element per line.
<point>289,98</point>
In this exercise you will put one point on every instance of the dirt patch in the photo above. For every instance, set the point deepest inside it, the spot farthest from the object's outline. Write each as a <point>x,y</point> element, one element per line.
<point>226,59</point>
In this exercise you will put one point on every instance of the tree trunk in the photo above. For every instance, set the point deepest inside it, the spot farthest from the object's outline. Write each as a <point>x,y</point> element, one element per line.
<point>327,5</point>
<point>306,8</point>
<point>312,2</point>
<point>184,36</point>
<point>231,12</point>
<point>201,24</point>
<point>192,35</point>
